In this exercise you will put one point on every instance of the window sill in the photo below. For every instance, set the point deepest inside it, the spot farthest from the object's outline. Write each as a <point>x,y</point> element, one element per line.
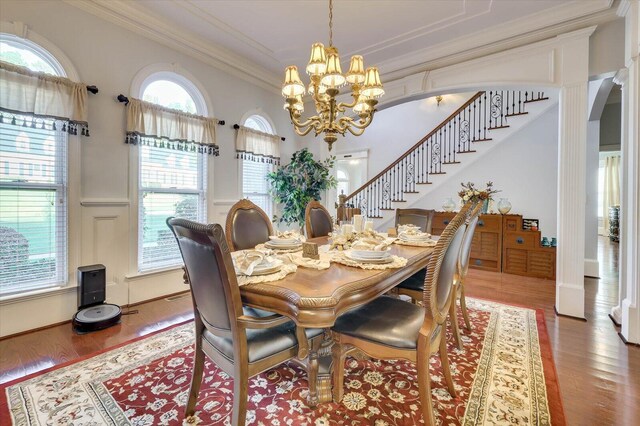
<point>152,272</point>
<point>37,294</point>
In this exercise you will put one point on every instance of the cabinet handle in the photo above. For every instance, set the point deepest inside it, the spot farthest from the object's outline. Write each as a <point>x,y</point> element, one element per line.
<point>519,240</point>
<point>481,223</point>
<point>446,222</point>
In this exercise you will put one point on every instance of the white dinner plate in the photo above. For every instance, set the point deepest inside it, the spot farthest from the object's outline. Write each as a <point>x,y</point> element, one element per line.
<point>370,254</point>
<point>384,260</point>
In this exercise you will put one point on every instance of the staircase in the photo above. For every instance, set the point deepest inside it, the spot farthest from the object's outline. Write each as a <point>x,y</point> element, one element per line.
<point>467,129</point>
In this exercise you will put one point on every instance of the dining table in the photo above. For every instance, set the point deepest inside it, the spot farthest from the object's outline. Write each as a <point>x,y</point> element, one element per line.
<point>316,298</point>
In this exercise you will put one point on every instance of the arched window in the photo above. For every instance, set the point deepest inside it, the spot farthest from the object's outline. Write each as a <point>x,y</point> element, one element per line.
<point>33,190</point>
<point>171,182</point>
<point>254,184</point>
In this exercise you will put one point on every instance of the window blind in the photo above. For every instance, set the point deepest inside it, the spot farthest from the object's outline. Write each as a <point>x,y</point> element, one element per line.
<point>172,183</point>
<point>33,204</point>
<point>255,186</point>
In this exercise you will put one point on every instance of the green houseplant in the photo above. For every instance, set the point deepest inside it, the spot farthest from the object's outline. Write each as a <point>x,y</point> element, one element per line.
<point>299,182</point>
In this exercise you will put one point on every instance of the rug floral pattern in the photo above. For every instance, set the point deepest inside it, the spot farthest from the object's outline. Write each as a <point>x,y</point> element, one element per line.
<point>498,376</point>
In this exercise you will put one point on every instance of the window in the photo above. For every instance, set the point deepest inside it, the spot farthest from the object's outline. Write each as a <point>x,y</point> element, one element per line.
<point>254,183</point>
<point>171,183</point>
<point>33,187</point>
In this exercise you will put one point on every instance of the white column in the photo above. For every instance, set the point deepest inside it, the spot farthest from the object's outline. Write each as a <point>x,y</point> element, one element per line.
<point>621,79</point>
<point>630,203</point>
<point>572,198</point>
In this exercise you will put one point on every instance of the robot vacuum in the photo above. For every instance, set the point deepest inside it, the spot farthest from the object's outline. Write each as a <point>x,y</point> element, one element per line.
<point>96,317</point>
<point>93,314</point>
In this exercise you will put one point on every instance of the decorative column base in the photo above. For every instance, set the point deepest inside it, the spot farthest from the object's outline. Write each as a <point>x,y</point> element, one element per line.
<point>570,300</point>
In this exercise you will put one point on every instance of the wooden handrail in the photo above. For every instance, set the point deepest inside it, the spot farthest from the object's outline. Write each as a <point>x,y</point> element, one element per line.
<point>414,147</point>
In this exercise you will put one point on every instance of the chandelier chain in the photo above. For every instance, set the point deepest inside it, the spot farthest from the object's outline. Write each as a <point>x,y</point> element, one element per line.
<point>330,22</point>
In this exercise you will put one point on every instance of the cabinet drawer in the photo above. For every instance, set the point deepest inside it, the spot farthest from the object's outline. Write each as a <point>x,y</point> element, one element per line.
<point>440,221</point>
<point>489,222</point>
<point>542,264</point>
<point>515,261</point>
<point>488,265</point>
<point>521,239</point>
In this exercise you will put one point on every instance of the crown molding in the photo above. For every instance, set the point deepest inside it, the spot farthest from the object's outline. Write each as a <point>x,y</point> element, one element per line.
<point>127,15</point>
<point>512,34</point>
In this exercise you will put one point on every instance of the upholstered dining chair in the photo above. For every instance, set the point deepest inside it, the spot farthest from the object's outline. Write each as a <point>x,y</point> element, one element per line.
<point>247,226</point>
<point>241,341</point>
<point>419,217</point>
<point>317,220</point>
<point>414,285</point>
<point>390,328</point>
<point>412,288</point>
<point>463,268</point>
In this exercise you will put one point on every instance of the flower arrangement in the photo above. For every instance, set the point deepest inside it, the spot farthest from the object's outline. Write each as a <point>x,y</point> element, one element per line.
<point>470,192</point>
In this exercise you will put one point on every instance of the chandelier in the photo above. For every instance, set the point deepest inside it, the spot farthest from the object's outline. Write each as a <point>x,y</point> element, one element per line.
<point>326,80</point>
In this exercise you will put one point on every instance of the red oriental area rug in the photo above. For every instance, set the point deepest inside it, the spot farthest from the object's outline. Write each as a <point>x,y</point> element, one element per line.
<point>504,375</point>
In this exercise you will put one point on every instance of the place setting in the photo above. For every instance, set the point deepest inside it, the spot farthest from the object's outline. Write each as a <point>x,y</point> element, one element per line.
<point>284,242</point>
<point>412,235</point>
<point>255,266</point>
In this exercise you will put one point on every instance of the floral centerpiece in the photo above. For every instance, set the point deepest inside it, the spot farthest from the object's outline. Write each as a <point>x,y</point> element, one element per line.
<point>469,192</point>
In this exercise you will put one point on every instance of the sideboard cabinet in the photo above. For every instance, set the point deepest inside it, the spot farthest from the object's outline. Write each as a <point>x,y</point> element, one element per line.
<point>500,244</point>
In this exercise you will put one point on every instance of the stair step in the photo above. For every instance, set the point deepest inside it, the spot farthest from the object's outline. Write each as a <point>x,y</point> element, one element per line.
<point>438,173</point>
<point>466,152</point>
<point>424,183</point>
<point>535,100</point>
<point>498,127</point>
<point>450,162</point>
<point>516,113</point>
<point>398,201</point>
<point>386,209</point>
<point>411,192</point>
<point>486,139</point>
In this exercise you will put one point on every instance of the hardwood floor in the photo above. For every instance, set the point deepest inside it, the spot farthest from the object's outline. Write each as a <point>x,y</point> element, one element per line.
<point>599,375</point>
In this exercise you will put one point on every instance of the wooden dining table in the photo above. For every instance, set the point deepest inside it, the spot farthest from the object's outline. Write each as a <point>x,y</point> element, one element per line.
<point>316,298</point>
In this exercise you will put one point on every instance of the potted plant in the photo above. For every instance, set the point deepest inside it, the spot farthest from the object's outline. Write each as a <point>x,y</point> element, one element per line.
<point>299,182</point>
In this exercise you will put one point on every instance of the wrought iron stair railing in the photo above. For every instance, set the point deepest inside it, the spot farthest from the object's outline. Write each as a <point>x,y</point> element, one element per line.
<point>469,124</point>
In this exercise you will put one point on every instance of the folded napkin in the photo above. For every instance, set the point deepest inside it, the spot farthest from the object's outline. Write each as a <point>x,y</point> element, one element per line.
<point>413,233</point>
<point>408,227</point>
<point>298,260</point>
<point>372,244</point>
<point>247,260</point>
<point>290,235</point>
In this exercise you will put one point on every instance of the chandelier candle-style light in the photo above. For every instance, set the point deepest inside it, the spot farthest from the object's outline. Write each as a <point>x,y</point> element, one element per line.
<point>326,79</point>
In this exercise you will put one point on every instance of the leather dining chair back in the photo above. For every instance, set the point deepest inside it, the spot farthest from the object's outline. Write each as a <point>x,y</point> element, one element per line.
<point>419,217</point>
<point>247,226</point>
<point>241,341</point>
<point>318,221</point>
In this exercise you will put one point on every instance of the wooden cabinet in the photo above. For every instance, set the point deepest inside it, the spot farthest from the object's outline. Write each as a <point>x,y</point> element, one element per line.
<point>486,247</point>
<point>500,245</point>
<point>523,254</point>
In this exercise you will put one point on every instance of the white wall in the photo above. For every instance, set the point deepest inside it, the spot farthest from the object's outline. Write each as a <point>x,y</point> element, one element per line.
<point>606,48</point>
<point>610,127</point>
<point>396,129</point>
<point>109,57</point>
<point>523,167</point>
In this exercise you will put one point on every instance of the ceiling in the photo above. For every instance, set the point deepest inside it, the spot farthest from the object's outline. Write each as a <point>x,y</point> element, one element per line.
<point>261,37</point>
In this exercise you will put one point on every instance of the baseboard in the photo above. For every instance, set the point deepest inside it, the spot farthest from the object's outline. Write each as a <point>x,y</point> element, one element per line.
<point>592,268</point>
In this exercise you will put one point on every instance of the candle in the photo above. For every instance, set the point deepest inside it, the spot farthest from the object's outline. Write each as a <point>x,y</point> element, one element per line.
<point>347,229</point>
<point>357,222</point>
<point>368,225</point>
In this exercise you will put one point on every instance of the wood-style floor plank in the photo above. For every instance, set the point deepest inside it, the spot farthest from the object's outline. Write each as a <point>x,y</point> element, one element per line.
<point>599,375</point>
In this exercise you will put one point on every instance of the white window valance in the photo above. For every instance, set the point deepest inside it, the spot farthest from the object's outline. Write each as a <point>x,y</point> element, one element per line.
<point>27,92</point>
<point>257,146</point>
<point>155,125</point>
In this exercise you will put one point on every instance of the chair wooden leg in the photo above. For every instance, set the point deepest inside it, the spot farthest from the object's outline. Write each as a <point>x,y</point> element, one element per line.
<point>196,381</point>
<point>240,394</point>
<point>312,373</point>
<point>424,386</point>
<point>444,361</point>
<point>338,356</point>
<point>453,318</point>
<point>463,306</point>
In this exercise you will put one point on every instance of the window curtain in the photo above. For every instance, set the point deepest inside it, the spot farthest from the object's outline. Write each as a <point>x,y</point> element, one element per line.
<point>257,146</point>
<point>41,95</point>
<point>611,195</point>
<point>154,125</point>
